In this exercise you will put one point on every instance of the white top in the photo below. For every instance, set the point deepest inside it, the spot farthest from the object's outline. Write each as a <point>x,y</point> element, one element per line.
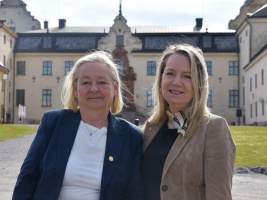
<point>82,179</point>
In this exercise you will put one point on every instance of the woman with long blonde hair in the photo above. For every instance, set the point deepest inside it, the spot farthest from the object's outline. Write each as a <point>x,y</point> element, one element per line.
<point>188,152</point>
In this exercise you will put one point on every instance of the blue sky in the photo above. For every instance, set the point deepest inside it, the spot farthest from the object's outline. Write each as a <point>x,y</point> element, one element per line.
<point>215,13</point>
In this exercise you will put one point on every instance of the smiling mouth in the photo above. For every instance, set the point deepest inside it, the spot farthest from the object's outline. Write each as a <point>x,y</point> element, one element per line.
<point>175,92</point>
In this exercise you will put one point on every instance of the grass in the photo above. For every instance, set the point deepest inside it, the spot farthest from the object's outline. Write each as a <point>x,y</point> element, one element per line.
<point>251,142</point>
<point>12,131</point>
<point>251,146</point>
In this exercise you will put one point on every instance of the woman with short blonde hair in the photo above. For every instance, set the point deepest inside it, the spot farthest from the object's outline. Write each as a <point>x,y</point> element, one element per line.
<point>67,96</point>
<point>84,151</point>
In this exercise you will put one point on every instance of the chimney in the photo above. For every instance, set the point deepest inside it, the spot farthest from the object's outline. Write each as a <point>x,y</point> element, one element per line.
<point>199,22</point>
<point>62,23</point>
<point>45,24</point>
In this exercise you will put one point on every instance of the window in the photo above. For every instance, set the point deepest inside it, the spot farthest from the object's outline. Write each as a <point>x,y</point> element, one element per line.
<point>233,98</point>
<point>262,76</point>
<point>209,67</point>
<point>262,106</point>
<point>120,67</point>
<point>150,99</point>
<point>233,68</point>
<point>20,67</point>
<point>207,42</point>
<point>4,39</point>
<point>119,40</point>
<point>243,96</point>
<point>256,109</point>
<point>250,84</point>
<point>47,97</point>
<point>10,63</point>
<point>47,68</point>
<point>20,97</point>
<point>11,43</point>
<point>256,81</point>
<point>4,60</point>
<point>251,114</point>
<point>2,110</point>
<point>68,66</point>
<point>3,84</point>
<point>209,102</point>
<point>47,42</point>
<point>13,29</point>
<point>151,68</point>
<point>240,40</point>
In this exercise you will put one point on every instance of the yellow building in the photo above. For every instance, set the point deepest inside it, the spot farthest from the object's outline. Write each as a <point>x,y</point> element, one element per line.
<point>7,42</point>
<point>43,57</point>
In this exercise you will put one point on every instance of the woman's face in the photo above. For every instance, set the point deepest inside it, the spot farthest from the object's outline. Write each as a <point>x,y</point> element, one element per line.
<point>176,84</point>
<point>95,89</point>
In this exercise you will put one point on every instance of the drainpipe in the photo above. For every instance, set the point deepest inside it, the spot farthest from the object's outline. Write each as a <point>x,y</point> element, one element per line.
<point>14,70</point>
<point>238,79</point>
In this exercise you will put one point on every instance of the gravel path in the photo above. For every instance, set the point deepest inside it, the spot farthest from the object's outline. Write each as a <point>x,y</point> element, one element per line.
<point>250,186</point>
<point>12,154</point>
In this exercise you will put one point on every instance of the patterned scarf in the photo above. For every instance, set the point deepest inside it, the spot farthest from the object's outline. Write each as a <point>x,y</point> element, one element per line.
<point>179,121</point>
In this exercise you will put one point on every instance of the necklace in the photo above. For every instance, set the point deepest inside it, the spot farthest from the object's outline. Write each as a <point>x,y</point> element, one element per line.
<point>90,132</point>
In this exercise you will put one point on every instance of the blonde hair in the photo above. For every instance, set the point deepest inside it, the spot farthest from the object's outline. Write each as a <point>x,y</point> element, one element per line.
<point>67,95</point>
<point>197,108</point>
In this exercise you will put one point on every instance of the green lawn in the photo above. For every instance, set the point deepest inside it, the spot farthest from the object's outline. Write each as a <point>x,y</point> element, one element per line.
<point>12,131</point>
<point>251,146</point>
<point>251,142</point>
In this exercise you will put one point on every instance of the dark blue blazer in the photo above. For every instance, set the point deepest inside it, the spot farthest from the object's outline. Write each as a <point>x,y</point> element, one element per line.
<point>42,172</point>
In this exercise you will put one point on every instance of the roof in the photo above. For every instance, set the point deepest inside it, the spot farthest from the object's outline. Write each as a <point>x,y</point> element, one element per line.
<point>254,57</point>
<point>208,42</point>
<point>154,39</point>
<point>27,42</point>
<point>3,69</point>
<point>134,29</point>
<point>261,13</point>
<point>72,29</point>
<point>176,29</point>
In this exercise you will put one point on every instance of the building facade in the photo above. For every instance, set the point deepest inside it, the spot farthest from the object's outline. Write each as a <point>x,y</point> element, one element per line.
<point>7,43</point>
<point>253,66</point>
<point>43,57</point>
<point>250,6</point>
<point>17,17</point>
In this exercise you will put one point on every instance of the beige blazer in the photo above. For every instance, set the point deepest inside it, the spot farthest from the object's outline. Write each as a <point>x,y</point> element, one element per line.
<point>200,168</point>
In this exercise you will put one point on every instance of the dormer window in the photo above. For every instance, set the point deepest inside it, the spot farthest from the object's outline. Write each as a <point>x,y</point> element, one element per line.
<point>47,42</point>
<point>207,42</point>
